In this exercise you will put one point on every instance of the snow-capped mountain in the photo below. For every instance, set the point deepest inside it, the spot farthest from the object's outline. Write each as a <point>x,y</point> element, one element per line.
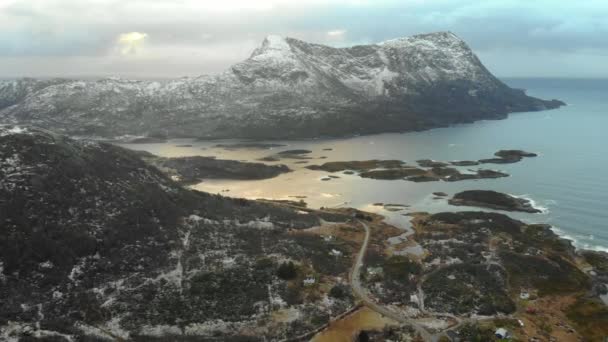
<point>286,88</point>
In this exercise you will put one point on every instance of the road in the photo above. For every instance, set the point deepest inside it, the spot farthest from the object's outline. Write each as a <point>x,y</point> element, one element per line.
<point>369,302</point>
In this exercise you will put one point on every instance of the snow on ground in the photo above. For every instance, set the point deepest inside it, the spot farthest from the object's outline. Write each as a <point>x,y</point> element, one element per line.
<point>94,332</point>
<point>6,130</point>
<point>433,323</point>
<point>11,332</point>
<point>160,330</point>
<point>211,327</point>
<point>113,326</point>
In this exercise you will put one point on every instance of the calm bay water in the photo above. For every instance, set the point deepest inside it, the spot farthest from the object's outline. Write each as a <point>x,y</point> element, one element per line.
<point>569,178</point>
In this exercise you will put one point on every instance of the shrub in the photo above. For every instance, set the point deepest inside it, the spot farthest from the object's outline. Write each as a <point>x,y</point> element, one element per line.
<point>338,291</point>
<point>287,271</point>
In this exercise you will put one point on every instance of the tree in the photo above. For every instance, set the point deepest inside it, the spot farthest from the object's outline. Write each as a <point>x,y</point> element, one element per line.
<point>287,271</point>
<point>363,336</point>
<point>338,291</point>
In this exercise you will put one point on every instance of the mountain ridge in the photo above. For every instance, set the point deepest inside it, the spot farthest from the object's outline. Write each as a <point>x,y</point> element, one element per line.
<point>287,88</point>
<point>98,245</point>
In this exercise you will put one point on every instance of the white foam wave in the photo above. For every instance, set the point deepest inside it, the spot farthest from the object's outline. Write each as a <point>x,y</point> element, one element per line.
<point>544,209</point>
<point>577,240</point>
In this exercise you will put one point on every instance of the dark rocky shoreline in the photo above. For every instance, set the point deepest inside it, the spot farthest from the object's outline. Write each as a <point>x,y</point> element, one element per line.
<point>508,157</point>
<point>492,200</point>
<point>398,170</point>
<point>194,169</point>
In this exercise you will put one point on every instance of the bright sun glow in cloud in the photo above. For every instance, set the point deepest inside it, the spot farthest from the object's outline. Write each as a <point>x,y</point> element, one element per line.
<point>130,43</point>
<point>336,33</point>
<point>168,38</point>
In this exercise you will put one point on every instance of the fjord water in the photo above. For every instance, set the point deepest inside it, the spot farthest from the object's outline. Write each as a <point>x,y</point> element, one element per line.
<point>569,178</point>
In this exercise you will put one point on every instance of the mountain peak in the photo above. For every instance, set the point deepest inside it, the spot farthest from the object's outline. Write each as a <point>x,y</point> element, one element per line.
<point>441,36</point>
<point>287,88</point>
<point>275,41</point>
<point>272,43</point>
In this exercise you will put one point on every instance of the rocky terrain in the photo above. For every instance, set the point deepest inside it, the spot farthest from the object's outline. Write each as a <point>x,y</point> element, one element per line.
<point>194,169</point>
<point>399,170</point>
<point>287,88</point>
<point>508,157</point>
<point>475,272</point>
<point>500,157</point>
<point>97,245</point>
<point>249,145</point>
<point>492,200</point>
<point>301,155</point>
<point>428,170</point>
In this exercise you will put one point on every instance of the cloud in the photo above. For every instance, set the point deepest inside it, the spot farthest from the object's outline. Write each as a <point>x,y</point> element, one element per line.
<point>131,43</point>
<point>336,33</point>
<point>185,32</point>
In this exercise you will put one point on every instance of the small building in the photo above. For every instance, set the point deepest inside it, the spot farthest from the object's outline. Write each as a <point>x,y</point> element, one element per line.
<point>525,295</point>
<point>328,238</point>
<point>372,271</point>
<point>335,253</point>
<point>309,280</point>
<point>501,333</point>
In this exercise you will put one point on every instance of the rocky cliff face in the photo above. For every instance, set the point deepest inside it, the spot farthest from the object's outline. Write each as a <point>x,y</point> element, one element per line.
<point>95,242</point>
<point>288,88</point>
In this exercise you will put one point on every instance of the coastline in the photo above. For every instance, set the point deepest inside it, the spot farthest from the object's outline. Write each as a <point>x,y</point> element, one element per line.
<point>336,188</point>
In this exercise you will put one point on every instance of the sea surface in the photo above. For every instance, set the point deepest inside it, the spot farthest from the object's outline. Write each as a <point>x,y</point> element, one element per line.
<point>569,179</point>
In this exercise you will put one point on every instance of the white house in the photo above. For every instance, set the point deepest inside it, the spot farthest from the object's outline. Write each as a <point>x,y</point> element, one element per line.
<point>372,271</point>
<point>501,333</point>
<point>309,280</point>
<point>335,252</point>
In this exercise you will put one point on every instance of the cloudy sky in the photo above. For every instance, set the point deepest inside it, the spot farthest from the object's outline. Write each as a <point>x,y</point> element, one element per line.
<point>172,38</point>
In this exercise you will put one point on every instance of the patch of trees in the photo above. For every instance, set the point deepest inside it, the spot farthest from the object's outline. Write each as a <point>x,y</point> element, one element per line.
<point>340,291</point>
<point>287,271</point>
<point>466,288</point>
<point>550,275</point>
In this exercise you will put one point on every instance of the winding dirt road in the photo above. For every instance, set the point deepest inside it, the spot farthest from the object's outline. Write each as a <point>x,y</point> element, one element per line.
<point>367,301</point>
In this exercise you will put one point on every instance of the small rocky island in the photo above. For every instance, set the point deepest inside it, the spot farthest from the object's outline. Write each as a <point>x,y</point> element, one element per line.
<point>492,200</point>
<point>299,154</point>
<point>399,170</point>
<point>194,169</point>
<point>428,170</point>
<point>500,157</point>
<point>249,145</point>
<point>508,157</point>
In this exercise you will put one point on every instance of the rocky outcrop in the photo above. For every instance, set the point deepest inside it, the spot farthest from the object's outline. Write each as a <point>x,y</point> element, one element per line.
<point>397,169</point>
<point>508,157</point>
<point>492,200</point>
<point>195,169</point>
<point>288,88</point>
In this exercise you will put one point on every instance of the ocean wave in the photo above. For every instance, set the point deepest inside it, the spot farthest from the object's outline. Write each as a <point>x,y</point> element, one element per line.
<point>544,209</point>
<point>578,240</point>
